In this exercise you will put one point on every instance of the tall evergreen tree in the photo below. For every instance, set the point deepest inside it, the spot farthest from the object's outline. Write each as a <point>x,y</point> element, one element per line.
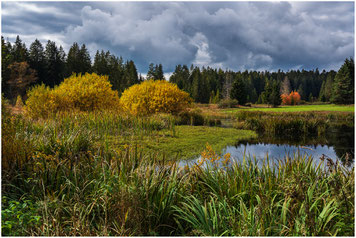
<point>6,60</point>
<point>55,60</point>
<point>343,90</point>
<point>85,61</point>
<point>238,91</point>
<point>37,60</point>
<point>275,97</point>
<point>155,72</point>
<point>19,51</point>
<point>130,74</point>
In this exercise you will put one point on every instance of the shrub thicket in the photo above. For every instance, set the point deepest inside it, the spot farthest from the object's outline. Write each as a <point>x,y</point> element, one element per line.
<point>87,92</point>
<point>153,97</point>
<point>228,103</point>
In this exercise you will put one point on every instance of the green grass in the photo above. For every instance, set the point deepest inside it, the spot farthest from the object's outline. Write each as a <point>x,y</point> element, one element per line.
<point>188,141</point>
<point>299,108</point>
<point>64,177</point>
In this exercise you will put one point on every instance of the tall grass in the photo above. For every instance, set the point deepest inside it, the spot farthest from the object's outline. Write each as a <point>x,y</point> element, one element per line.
<point>293,124</point>
<point>63,179</point>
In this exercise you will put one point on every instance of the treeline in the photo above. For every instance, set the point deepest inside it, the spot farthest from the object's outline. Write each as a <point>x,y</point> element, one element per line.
<point>210,85</point>
<point>22,68</point>
<point>50,65</point>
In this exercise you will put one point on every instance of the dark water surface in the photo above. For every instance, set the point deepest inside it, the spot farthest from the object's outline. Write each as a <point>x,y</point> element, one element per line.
<point>336,144</point>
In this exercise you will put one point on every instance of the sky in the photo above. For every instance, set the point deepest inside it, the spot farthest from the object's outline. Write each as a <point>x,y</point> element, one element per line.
<point>230,35</point>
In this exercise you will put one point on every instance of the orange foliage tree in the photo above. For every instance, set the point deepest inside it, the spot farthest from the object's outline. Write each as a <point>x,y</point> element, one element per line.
<point>292,99</point>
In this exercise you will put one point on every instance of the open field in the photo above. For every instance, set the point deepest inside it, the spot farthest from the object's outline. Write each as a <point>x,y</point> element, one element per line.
<point>298,108</point>
<point>187,141</point>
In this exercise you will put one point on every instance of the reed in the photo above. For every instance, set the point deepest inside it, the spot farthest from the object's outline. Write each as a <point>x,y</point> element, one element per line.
<point>64,179</point>
<point>294,124</point>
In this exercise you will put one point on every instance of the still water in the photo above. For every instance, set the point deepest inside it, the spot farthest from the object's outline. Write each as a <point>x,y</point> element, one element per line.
<point>336,145</point>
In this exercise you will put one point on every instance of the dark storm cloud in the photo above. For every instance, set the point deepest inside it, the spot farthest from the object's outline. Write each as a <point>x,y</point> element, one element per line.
<point>235,35</point>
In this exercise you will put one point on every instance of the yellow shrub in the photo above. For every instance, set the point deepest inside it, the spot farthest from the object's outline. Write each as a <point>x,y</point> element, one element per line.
<point>153,97</point>
<point>87,92</point>
<point>19,102</point>
<point>40,102</point>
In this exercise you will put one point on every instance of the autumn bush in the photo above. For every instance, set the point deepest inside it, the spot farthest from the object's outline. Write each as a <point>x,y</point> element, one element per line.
<point>152,96</point>
<point>292,99</point>
<point>89,92</point>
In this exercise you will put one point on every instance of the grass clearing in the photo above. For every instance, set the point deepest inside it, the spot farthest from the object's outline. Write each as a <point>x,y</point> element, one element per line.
<point>186,141</point>
<point>298,108</point>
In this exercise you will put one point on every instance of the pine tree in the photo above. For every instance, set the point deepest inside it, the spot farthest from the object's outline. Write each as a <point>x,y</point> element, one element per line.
<point>6,60</point>
<point>275,97</point>
<point>37,60</point>
<point>55,60</point>
<point>130,74</point>
<point>155,72</point>
<point>343,90</point>
<point>19,51</point>
<point>151,71</point>
<point>84,59</point>
<point>238,91</point>
<point>159,72</point>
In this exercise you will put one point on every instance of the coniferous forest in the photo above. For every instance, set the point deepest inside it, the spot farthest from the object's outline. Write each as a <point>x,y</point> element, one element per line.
<point>49,64</point>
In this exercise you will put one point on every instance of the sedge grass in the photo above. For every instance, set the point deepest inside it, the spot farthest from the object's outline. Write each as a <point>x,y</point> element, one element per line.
<point>67,180</point>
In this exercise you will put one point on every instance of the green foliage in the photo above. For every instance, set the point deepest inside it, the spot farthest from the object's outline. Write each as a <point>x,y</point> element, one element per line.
<point>78,60</point>
<point>18,218</point>
<point>272,95</point>
<point>37,60</point>
<point>293,124</point>
<point>79,182</point>
<point>155,72</point>
<point>303,108</point>
<point>196,118</point>
<point>238,91</point>
<point>55,64</point>
<point>344,85</point>
<point>228,103</point>
<point>192,118</point>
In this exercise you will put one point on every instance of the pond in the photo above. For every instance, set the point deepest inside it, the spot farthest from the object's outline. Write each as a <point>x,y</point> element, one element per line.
<point>337,144</point>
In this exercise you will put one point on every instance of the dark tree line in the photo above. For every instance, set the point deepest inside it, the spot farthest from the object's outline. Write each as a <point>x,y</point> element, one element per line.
<point>50,65</point>
<point>205,85</point>
<point>266,87</point>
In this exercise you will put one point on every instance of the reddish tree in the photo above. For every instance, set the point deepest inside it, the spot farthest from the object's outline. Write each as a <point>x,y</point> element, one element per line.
<point>292,99</point>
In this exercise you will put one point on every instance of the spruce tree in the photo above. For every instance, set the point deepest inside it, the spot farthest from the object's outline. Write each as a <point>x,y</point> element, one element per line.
<point>343,91</point>
<point>55,60</point>
<point>6,60</point>
<point>19,51</point>
<point>238,91</point>
<point>37,60</point>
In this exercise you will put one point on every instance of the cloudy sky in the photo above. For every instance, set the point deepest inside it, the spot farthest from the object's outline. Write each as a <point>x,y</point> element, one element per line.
<point>234,35</point>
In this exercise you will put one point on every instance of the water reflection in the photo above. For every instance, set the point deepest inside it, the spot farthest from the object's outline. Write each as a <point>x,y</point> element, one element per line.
<point>336,144</point>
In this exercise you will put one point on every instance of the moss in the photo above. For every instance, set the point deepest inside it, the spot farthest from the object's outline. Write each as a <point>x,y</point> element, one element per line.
<point>188,141</point>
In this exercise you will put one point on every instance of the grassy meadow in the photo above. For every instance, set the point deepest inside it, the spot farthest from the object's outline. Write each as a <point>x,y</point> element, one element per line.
<point>297,108</point>
<point>107,173</point>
